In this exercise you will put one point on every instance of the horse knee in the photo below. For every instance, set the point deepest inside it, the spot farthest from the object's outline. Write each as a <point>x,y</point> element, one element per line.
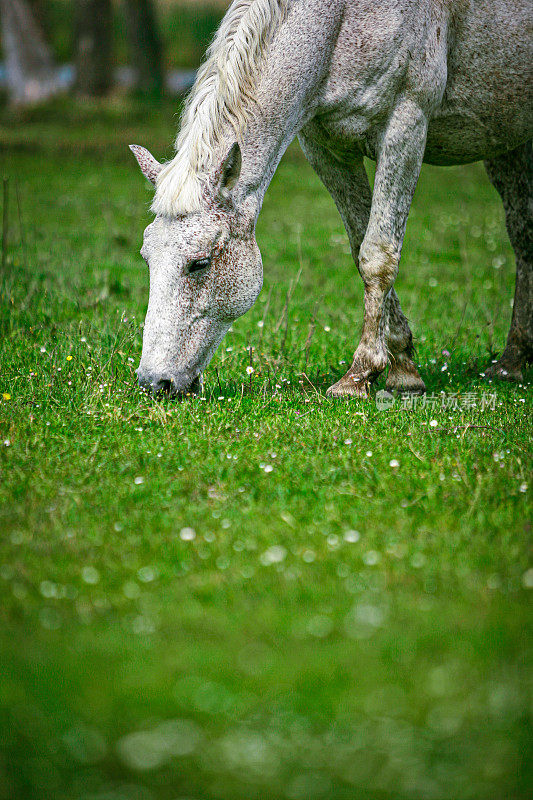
<point>378,265</point>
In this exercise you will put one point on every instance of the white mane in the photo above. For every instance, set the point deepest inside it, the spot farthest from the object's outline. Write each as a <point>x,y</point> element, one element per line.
<point>223,89</point>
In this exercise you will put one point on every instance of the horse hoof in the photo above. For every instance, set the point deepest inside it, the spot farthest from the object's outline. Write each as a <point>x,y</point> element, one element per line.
<point>504,371</point>
<point>350,386</point>
<point>405,384</point>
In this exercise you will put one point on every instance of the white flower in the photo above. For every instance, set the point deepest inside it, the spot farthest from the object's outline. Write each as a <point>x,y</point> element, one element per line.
<point>369,453</point>
<point>527,579</point>
<point>371,557</point>
<point>433,423</point>
<point>352,536</point>
<point>90,575</point>
<point>274,555</point>
<point>187,534</point>
<point>523,487</point>
<point>394,463</point>
<point>268,468</point>
<point>250,370</point>
<point>372,616</point>
<point>418,560</point>
<point>139,479</point>
<point>147,574</point>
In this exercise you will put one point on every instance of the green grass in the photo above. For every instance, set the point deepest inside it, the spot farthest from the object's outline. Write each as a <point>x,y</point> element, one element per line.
<point>270,656</point>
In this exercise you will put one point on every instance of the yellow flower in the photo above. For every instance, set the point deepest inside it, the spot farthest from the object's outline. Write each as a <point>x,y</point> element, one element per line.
<point>69,358</point>
<point>6,396</point>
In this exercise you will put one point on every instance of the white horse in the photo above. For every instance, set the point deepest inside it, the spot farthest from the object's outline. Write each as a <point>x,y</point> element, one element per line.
<point>399,81</point>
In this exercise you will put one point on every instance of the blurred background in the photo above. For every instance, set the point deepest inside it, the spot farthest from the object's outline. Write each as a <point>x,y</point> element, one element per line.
<point>102,48</point>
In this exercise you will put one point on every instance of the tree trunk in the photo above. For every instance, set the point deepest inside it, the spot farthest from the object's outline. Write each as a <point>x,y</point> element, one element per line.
<point>145,47</point>
<point>94,37</point>
<point>31,73</point>
<point>41,17</point>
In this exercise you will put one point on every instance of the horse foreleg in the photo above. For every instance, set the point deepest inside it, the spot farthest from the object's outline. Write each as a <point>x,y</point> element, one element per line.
<point>347,182</point>
<point>403,375</point>
<point>398,167</point>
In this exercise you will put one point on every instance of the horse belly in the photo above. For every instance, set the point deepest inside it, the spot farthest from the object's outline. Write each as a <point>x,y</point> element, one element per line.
<point>487,107</point>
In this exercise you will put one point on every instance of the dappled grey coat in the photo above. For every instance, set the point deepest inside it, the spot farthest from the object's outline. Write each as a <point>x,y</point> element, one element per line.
<point>400,81</point>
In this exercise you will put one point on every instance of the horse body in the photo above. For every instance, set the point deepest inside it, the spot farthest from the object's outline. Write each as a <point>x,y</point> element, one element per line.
<point>487,105</point>
<point>468,64</point>
<point>401,81</point>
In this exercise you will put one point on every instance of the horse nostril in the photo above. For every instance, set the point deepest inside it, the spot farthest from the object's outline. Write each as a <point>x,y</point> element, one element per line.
<point>196,386</point>
<point>172,385</point>
<point>154,383</point>
<point>164,385</point>
<point>144,380</point>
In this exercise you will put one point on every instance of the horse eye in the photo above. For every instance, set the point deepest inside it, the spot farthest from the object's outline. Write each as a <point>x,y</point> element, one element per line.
<point>198,264</point>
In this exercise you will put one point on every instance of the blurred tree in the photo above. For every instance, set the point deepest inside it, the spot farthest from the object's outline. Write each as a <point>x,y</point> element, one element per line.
<point>94,41</point>
<point>41,17</point>
<point>31,73</point>
<point>145,47</point>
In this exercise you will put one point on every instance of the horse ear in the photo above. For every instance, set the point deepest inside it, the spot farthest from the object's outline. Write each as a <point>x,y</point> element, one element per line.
<point>228,173</point>
<point>150,167</point>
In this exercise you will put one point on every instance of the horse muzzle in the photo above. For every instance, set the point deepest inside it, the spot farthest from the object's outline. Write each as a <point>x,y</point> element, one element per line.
<point>166,383</point>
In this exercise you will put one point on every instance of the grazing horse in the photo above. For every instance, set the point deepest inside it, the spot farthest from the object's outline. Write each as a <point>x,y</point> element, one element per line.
<point>398,81</point>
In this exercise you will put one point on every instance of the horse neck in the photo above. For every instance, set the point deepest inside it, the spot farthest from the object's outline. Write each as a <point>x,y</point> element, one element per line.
<point>286,90</point>
<point>262,148</point>
<point>263,116</point>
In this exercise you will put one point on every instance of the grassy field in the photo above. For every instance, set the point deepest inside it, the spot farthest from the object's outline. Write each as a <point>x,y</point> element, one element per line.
<point>261,593</point>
